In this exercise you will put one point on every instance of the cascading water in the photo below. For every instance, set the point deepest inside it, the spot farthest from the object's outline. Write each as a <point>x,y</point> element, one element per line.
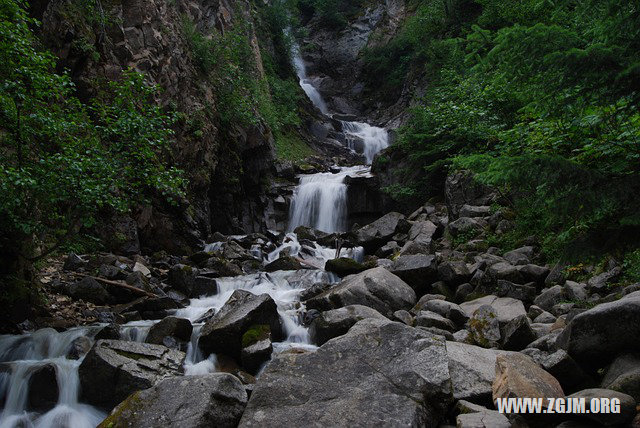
<point>366,139</point>
<point>305,83</point>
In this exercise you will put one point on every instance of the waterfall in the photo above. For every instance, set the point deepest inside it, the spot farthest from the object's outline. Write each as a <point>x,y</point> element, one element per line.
<point>366,139</point>
<point>305,84</point>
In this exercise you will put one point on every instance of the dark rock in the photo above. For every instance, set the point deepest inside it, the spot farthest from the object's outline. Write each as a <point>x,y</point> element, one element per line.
<point>111,331</point>
<point>376,234</point>
<point>179,328</point>
<point>594,337</point>
<point>534,273</point>
<point>422,234</point>
<point>43,388</point>
<point>562,367</point>
<point>256,347</point>
<point>575,291</point>
<point>313,291</point>
<point>419,271</point>
<point>79,348</point>
<point>448,310</point>
<point>520,256</point>
<point>461,189</point>
<point>453,272</point>
<point>344,266</point>
<point>296,388</point>
<point>376,288</point>
<point>223,333</point>
<point>550,297</point>
<point>626,412</point>
<point>623,375</point>
<point>89,290</point>
<point>337,322</point>
<point>525,293</point>
<point>284,263</point>
<point>388,249</point>
<point>432,319</point>
<point>216,399</point>
<point>462,292</point>
<point>517,334</point>
<point>113,369</point>
<point>504,271</point>
<point>601,281</point>
<point>74,262</point>
<point>475,211</point>
<point>465,227</point>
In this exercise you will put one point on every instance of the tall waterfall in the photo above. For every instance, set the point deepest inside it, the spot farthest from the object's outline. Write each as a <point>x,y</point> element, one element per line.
<point>305,84</point>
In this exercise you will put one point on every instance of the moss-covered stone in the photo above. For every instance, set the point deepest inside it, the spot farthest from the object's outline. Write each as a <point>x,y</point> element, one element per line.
<point>344,266</point>
<point>255,333</point>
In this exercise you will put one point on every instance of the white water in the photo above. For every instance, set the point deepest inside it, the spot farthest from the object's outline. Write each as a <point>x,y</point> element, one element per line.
<point>373,138</point>
<point>23,355</point>
<point>305,83</point>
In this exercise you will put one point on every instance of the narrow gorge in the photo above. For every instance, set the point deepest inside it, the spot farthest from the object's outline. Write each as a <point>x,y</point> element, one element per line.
<point>317,212</point>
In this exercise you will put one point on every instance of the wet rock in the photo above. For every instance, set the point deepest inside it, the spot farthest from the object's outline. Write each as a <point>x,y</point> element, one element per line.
<point>550,297</point>
<point>256,347</point>
<point>216,399</point>
<point>314,290</point>
<point>43,388</point>
<point>284,263</point>
<point>376,288</point>
<point>337,322</point>
<point>89,290</point>
<point>223,333</point>
<point>627,406</point>
<point>344,266</point>
<point>473,370</point>
<point>179,328</point>
<point>484,327</point>
<point>517,334</point>
<point>518,376</point>
<point>505,308</point>
<point>419,270</point>
<point>623,375</point>
<point>594,337</point>
<point>376,234</point>
<point>79,348</point>
<point>113,369</point>
<point>111,331</point>
<point>296,388</point>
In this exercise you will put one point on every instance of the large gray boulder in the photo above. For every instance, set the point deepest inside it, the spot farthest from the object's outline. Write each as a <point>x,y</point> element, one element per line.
<point>505,308</point>
<point>550,297</point>
<point>381,373</point>
<point>596,336</point>
<point>473,370</point>
<point>419,270</point>
<point>376,288</point>
<point>223,333</point>
<point>376,234</point>
<point>113,369</point>
<point>334,323</point>
<point>624,375</point>
<point>421,236</point>
<point>183,402</point>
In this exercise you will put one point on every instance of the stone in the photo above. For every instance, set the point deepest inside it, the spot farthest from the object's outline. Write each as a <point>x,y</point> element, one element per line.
<point>419,270</point>
<point>284,263</point>
<point>562,367</point>
<point>79,348</point>
<point>504,271</point>
<point>422,234</point>
<point>523,292</point>
<point>256,350</point>
<point>403,316</point>
<point>388,249</point>
<point>376,288</point>
<point>600,282</point>
<point>461,189</point>
<point>520,256</point>
<point>432,319</point>
<point>448,310</point>
<point>337,322</point>
<point>550,297</point>
<point>113,369</point>
<point>43,388</point>
<point>517,334</point>
<point>534,273</point>
<point>464,227</point>
<point>139,267</point>
<point>505,308</point>
<point>462,292</point>
<point>377,233</point>
<point>545,318</point>
<point>484,419</point>
<point>179,328</point>
<point>352,380</point>
<point>623,375</point>
<point>110,331</point>
<point>475,211</point>
<point>594,337</point>
<point>473,370</point>
<point>626,412</point>
<point>484,327</point>
<point>344,266</point>
<point>453,272</point>
<point>216,399</point>
<point>74,262</point>
<point>575,291</point>
<point>89,290</point>
<point>518,376</point>
<point>223,333</point>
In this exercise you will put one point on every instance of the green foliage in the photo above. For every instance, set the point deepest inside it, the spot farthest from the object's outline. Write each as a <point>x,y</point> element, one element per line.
<point>62,162</point>
<point>333,14</point>
<point>290,146</point>
<point>631,266</point>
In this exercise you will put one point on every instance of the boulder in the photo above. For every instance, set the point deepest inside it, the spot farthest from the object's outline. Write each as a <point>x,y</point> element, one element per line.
<point>550,297</point>
<point>381,373</point>
<point>473,370</point>
<point>461,189</point>
<point>575,291</point>
<point>432,319</point>
<point>505,308</point>
<point>595,336</point>
<point>626,412</point>
<point>89,290</point>
<point>43,388</point>
<point>418,270</point>
<point>376,288</point>
<point>534,273</point>
<point>519,256</point>
<point>179,328</point>
<point>600,282</point>
<point>517,334</point>
<point>422,234</point>
<point>504,271</point>
<point>482,419</point>
<point>223,333</point>
<point>110,331</point>
<point>484,327</point>
<point>284,263</point>
<point>453,272</point>
<point>464,227</point>
<point>376,234</point>
<point>113,369</point>
<point>337,322</point>
<point>518,376</point>
<point>79,348</point>
<point>448,310</point>
<point>344,266</point>
<point>623,375</point>
<point>475,211</point>
<point>256,347</point>
<point>74,262</point>
<point>216,399</point>
<point>562,367</point>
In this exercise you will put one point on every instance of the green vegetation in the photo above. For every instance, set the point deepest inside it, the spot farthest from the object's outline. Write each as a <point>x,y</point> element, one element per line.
<point>255,333</point>
<point>62,163</point>
<point>333,14</point>
<point>539,99</point>
<point>292,147</point>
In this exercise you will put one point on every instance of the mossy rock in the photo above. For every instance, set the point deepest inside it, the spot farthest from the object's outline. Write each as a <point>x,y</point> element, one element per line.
<point>344,266</point>
<point>255,333</point>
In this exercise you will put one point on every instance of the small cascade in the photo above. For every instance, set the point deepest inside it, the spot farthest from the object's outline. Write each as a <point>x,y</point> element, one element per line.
<point>366,139</point>
<point>305,83</point>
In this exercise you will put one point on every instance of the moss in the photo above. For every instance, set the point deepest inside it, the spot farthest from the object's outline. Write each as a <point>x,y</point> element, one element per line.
<point>255,333</point>
<point>344,266</point>
<point>291,147</point>
<point>119,416</point>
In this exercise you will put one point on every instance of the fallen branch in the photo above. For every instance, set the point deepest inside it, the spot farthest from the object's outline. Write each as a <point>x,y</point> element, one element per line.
<point>118,284</point>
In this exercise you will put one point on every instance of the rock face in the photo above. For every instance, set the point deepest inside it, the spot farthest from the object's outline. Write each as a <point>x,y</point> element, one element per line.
<point>518,376</point>
<point>223,333</point>
<point>334,323</point>
<point>183,402</point>
<point>379,373</point>
<point>376,288</point>
<point>113,369</point>
<point>595,336</point>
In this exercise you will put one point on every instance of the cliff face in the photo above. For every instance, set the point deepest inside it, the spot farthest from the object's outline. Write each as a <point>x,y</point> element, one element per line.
<point>226,163</point>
